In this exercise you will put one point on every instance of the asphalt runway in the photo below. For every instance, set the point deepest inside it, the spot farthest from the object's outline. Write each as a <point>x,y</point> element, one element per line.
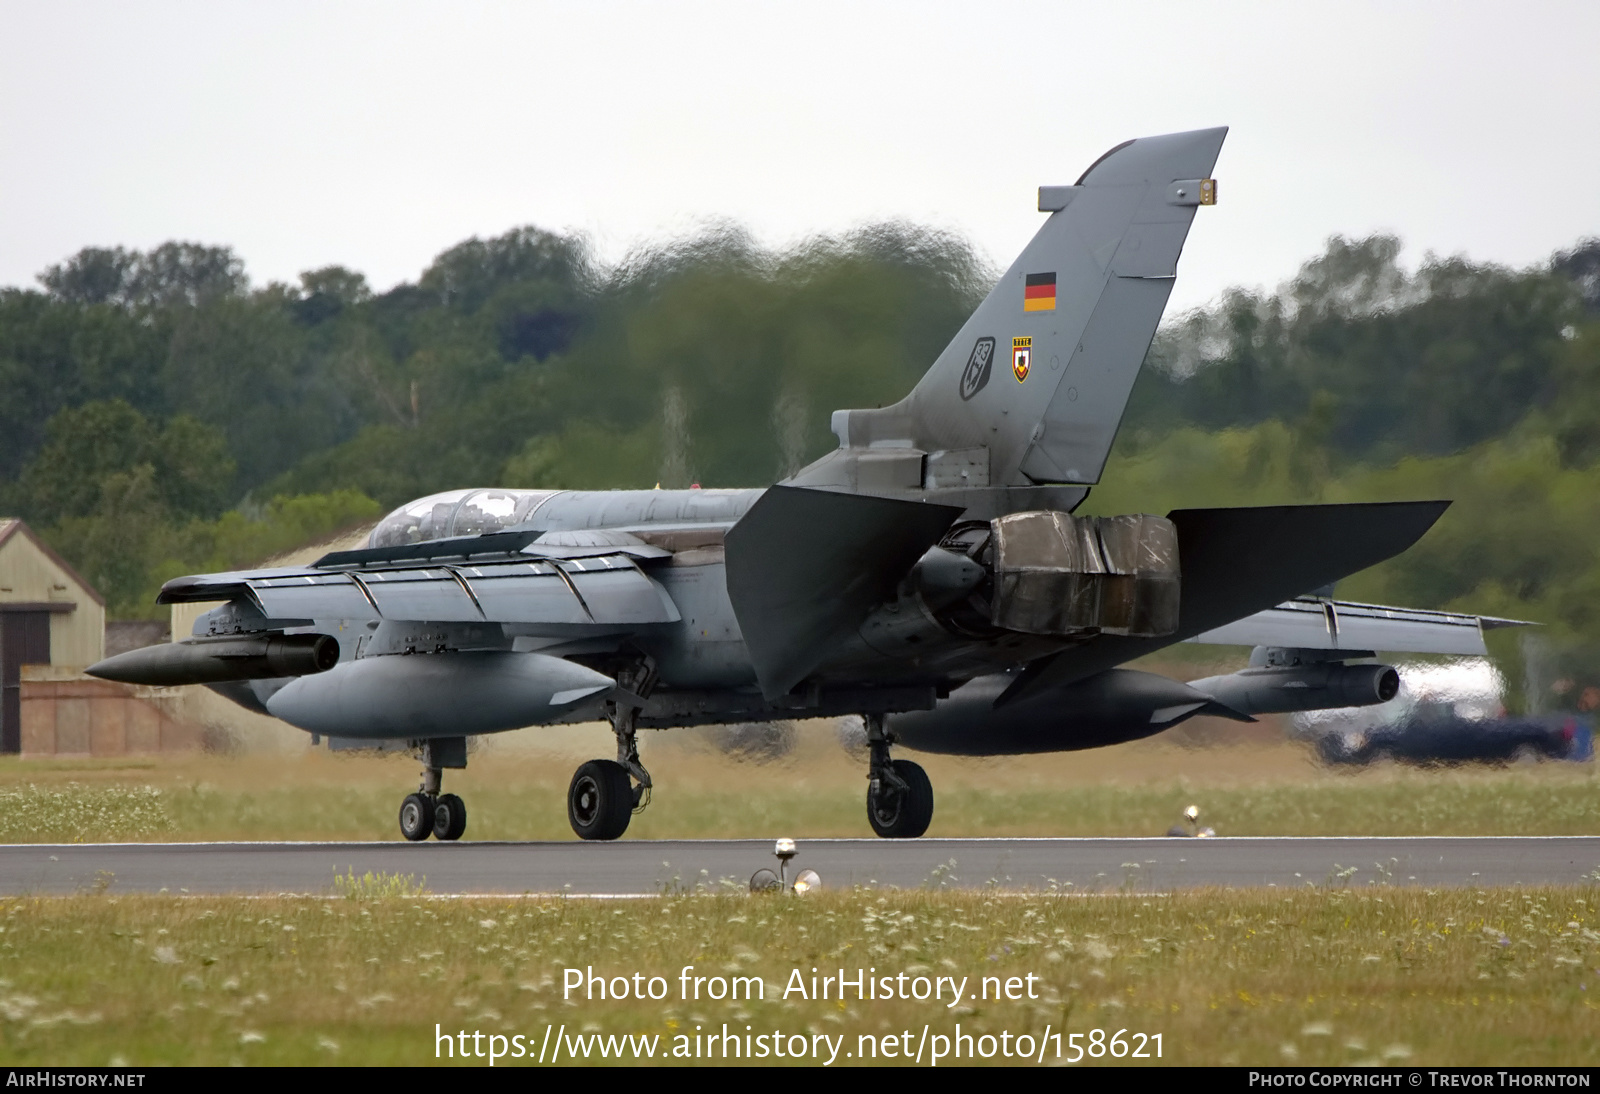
<point>648,868</point>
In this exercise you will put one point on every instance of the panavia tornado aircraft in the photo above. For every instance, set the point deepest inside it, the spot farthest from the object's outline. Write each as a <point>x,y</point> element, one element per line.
<point>927,575</point>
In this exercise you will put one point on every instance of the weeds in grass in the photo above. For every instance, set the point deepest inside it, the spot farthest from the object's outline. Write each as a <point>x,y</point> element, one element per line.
<point>1341,875</point>
<point>377,886</point>
<point>75,813</point>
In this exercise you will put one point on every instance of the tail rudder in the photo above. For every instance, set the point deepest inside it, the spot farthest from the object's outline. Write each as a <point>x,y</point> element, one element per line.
<point>1033,388</point>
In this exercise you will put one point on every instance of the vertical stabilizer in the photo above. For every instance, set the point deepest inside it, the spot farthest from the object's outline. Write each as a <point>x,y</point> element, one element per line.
<point>1032,390</point>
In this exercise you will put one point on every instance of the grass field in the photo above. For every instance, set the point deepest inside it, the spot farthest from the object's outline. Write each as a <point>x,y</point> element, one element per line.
<point>1332,976</point>
<point>515,788</point>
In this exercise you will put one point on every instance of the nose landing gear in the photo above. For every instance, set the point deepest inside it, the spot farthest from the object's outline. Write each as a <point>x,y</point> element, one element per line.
<point>428,812</point>
<point>416,817</point>
<point>449,817</point>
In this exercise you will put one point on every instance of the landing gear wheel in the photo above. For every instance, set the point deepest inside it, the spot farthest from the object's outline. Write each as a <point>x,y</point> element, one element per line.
<point>897,813</point>
<point>600,800</point>
<point>449,817</point>
<point>416,817</point>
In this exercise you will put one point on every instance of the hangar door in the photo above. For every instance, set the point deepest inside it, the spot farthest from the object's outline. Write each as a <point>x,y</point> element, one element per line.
<point>24,640</point>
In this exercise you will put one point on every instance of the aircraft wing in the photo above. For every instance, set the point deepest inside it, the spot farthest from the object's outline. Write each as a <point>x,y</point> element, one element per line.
<point>604,589</point>
<point>1316,623</point>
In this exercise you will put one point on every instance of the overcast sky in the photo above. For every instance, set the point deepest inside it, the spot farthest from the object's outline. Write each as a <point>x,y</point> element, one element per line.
<point>376,135</point>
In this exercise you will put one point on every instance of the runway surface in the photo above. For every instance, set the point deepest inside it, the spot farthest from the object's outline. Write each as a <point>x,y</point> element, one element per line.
<point>637,867</point>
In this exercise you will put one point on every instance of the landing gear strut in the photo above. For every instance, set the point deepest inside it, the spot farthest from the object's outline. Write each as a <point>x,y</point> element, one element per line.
<point>899,795</point>
<point>428,812</point>
<point>603,798</point>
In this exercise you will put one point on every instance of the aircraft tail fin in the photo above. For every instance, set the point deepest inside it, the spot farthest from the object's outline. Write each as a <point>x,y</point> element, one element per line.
<point>1032,389</point>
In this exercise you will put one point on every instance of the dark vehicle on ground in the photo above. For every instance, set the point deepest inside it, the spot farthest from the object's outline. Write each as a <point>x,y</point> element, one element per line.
<point>1433,733</point>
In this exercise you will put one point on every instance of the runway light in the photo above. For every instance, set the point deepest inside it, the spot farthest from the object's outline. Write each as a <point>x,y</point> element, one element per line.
<point>765,880</point>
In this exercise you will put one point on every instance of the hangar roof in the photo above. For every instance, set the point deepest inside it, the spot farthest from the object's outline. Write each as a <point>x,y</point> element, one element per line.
<point>12,526</point>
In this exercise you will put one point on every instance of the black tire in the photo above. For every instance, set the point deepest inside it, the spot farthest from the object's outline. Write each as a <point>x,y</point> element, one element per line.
<point>416,817</point>
<point>897,814</point>
<point>600,800</point>
<point>449,817</point>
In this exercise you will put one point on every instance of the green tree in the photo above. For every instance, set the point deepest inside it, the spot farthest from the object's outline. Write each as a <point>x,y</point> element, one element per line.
<point>188,471</point>
<point>1391,363</point>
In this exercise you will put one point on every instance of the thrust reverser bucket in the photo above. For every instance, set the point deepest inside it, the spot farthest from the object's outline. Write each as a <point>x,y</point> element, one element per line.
<point>1059,574</point>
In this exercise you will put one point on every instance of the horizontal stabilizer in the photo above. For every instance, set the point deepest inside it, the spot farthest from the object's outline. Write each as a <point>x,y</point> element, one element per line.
<point>1237,562</point>
<point>1312,623</point>
<point>806,567</point>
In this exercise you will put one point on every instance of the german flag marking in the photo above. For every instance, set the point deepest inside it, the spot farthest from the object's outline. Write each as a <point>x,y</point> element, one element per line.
<point>1039,292</point>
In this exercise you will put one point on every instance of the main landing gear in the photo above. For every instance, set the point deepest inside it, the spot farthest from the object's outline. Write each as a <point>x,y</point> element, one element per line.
<point>899,795</point>
<point>605,794</point>
<point>603,798</point>
<point>428,812</point>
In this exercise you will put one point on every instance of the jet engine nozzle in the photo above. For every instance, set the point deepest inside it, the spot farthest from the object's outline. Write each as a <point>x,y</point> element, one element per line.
<point>216,660</point>
<point>1321,685</point>
<point>943,577</point>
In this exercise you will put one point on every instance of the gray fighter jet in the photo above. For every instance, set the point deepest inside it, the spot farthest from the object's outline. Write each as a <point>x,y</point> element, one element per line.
<point>927,575</point>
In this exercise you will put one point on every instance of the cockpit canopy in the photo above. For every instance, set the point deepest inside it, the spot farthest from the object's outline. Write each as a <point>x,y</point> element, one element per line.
<point>456,513</point>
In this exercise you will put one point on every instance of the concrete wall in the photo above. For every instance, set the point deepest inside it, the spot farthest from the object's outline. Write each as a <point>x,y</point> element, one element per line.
<point>68,714</point>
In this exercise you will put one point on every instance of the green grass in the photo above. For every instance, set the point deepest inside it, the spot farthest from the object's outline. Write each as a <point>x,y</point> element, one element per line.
<point>72,812</point>
<point>1330,976</point>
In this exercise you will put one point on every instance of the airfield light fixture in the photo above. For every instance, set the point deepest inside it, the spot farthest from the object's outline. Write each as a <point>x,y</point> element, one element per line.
<point>765,880</point>
<point>784,849</point>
